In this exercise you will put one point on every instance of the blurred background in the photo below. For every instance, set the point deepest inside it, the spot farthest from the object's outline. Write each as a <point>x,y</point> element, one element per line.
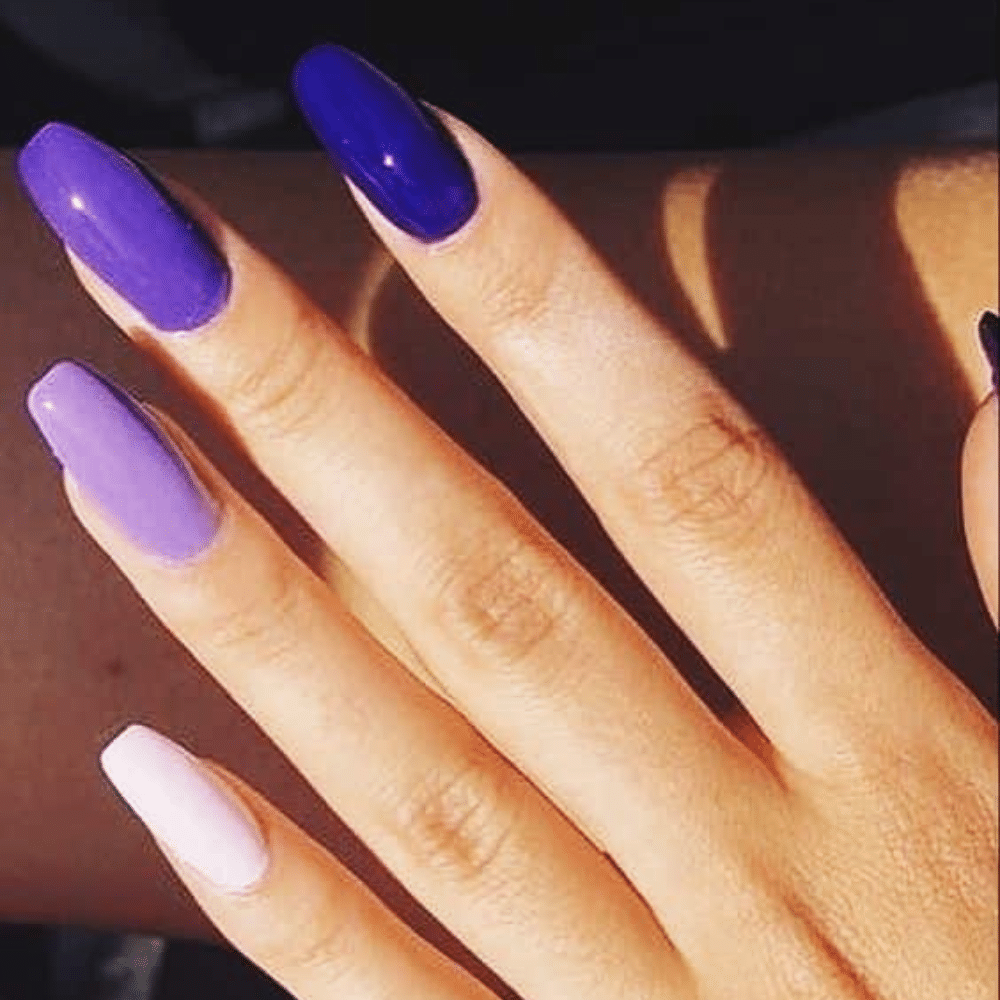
<point>685,74</point>
<point>581,77</point>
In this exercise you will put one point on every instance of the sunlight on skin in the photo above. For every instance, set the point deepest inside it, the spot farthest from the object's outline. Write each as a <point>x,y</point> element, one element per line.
<point>684,210</point>
<point>954,253</point>
<point>946,245</point>
<point>945,212</point>
<point>358,323</point>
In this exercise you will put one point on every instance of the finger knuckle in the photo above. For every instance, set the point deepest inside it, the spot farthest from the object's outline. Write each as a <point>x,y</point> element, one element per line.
<point>507,604</point>
<point>263,625</point>
<point>517,292</point>
<point>328,946</point>
<point>282,392</point>
<point>458,821</point>
<point>715,480</point>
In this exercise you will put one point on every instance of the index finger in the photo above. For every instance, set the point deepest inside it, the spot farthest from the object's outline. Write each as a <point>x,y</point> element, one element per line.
<point>686,482</point>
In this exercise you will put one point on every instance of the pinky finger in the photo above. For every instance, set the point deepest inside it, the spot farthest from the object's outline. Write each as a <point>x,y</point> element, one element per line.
<point>275,894</point>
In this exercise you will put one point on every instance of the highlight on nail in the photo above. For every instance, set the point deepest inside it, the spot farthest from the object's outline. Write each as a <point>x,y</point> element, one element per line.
<point>395,150</point>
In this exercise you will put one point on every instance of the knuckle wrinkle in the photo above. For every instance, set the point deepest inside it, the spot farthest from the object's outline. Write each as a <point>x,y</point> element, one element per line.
<point>457,824</point>
<point>710,480</point>
<point>511,607</point>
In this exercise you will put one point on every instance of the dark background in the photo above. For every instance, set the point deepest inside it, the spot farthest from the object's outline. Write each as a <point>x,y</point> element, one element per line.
<point>531,76</point>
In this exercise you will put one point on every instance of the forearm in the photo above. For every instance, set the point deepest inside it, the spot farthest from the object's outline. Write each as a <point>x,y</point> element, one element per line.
<point>844,299</point>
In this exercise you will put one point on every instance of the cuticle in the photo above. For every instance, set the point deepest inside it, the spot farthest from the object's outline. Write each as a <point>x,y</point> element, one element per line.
<point>470,224</point>
<point>455,239</point>
<point>215,775</point>
<point>220,534</point>
<point>213,235</point>
<point>206,326</point>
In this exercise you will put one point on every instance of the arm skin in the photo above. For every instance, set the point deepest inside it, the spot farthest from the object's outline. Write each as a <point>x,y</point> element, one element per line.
<point>836,294</point>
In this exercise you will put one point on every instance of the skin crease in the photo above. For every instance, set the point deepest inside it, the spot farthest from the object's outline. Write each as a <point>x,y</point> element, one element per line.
<point>52,883</point>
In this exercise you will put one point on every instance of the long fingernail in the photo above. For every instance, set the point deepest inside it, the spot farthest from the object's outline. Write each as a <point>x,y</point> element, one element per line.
<point>125,228</point>
<point>400,156</point>
<point>989,333</point>
<point>123,462</point>
<point>186,809</point>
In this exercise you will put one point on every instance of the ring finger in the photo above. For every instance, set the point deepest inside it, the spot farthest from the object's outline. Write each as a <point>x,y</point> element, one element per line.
<point>465,832</point>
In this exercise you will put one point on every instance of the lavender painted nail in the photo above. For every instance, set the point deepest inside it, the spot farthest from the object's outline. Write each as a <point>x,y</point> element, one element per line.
<point>125,227</point>
<point>123,462</point>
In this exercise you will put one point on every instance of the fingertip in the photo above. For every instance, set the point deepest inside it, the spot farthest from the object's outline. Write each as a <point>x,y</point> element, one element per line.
<point>979,499</point>
<point>386,143</point>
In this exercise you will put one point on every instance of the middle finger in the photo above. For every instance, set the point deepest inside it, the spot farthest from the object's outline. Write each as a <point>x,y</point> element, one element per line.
<point>462,830</point>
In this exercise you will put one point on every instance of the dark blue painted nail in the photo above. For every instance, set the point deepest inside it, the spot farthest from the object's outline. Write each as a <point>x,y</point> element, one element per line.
<point>989,331</point>
<point>125,227</point>
<point>395,151</point>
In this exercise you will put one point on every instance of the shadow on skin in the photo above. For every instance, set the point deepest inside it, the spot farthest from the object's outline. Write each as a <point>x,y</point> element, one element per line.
<point>839,352</point>
<point>807,304</point>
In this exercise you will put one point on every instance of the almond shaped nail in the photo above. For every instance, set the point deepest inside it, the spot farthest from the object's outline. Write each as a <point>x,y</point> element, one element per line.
<point>392,148</point>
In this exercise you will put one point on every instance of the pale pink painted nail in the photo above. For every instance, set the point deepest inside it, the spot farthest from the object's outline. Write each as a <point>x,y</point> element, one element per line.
<point>186,809</point>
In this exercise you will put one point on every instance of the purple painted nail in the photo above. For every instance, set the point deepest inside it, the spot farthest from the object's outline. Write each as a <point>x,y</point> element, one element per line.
<point>396,151</point>
<point>989,334</point>
<point>125,227</point>
<point>123,462</point>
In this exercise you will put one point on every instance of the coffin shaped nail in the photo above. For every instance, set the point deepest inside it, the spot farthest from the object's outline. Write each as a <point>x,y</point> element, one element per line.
<point>123,462</point>
<point>125,227</point>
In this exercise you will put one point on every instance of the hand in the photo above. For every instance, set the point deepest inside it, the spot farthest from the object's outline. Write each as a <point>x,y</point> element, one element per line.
<point>547,785</point>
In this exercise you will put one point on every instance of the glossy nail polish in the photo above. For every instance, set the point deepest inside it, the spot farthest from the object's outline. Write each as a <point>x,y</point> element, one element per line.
<point>989,333</point>
<point>125,227</point>
<point>186,808</point>
<point>395,151</point>
<point>122,462</point>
